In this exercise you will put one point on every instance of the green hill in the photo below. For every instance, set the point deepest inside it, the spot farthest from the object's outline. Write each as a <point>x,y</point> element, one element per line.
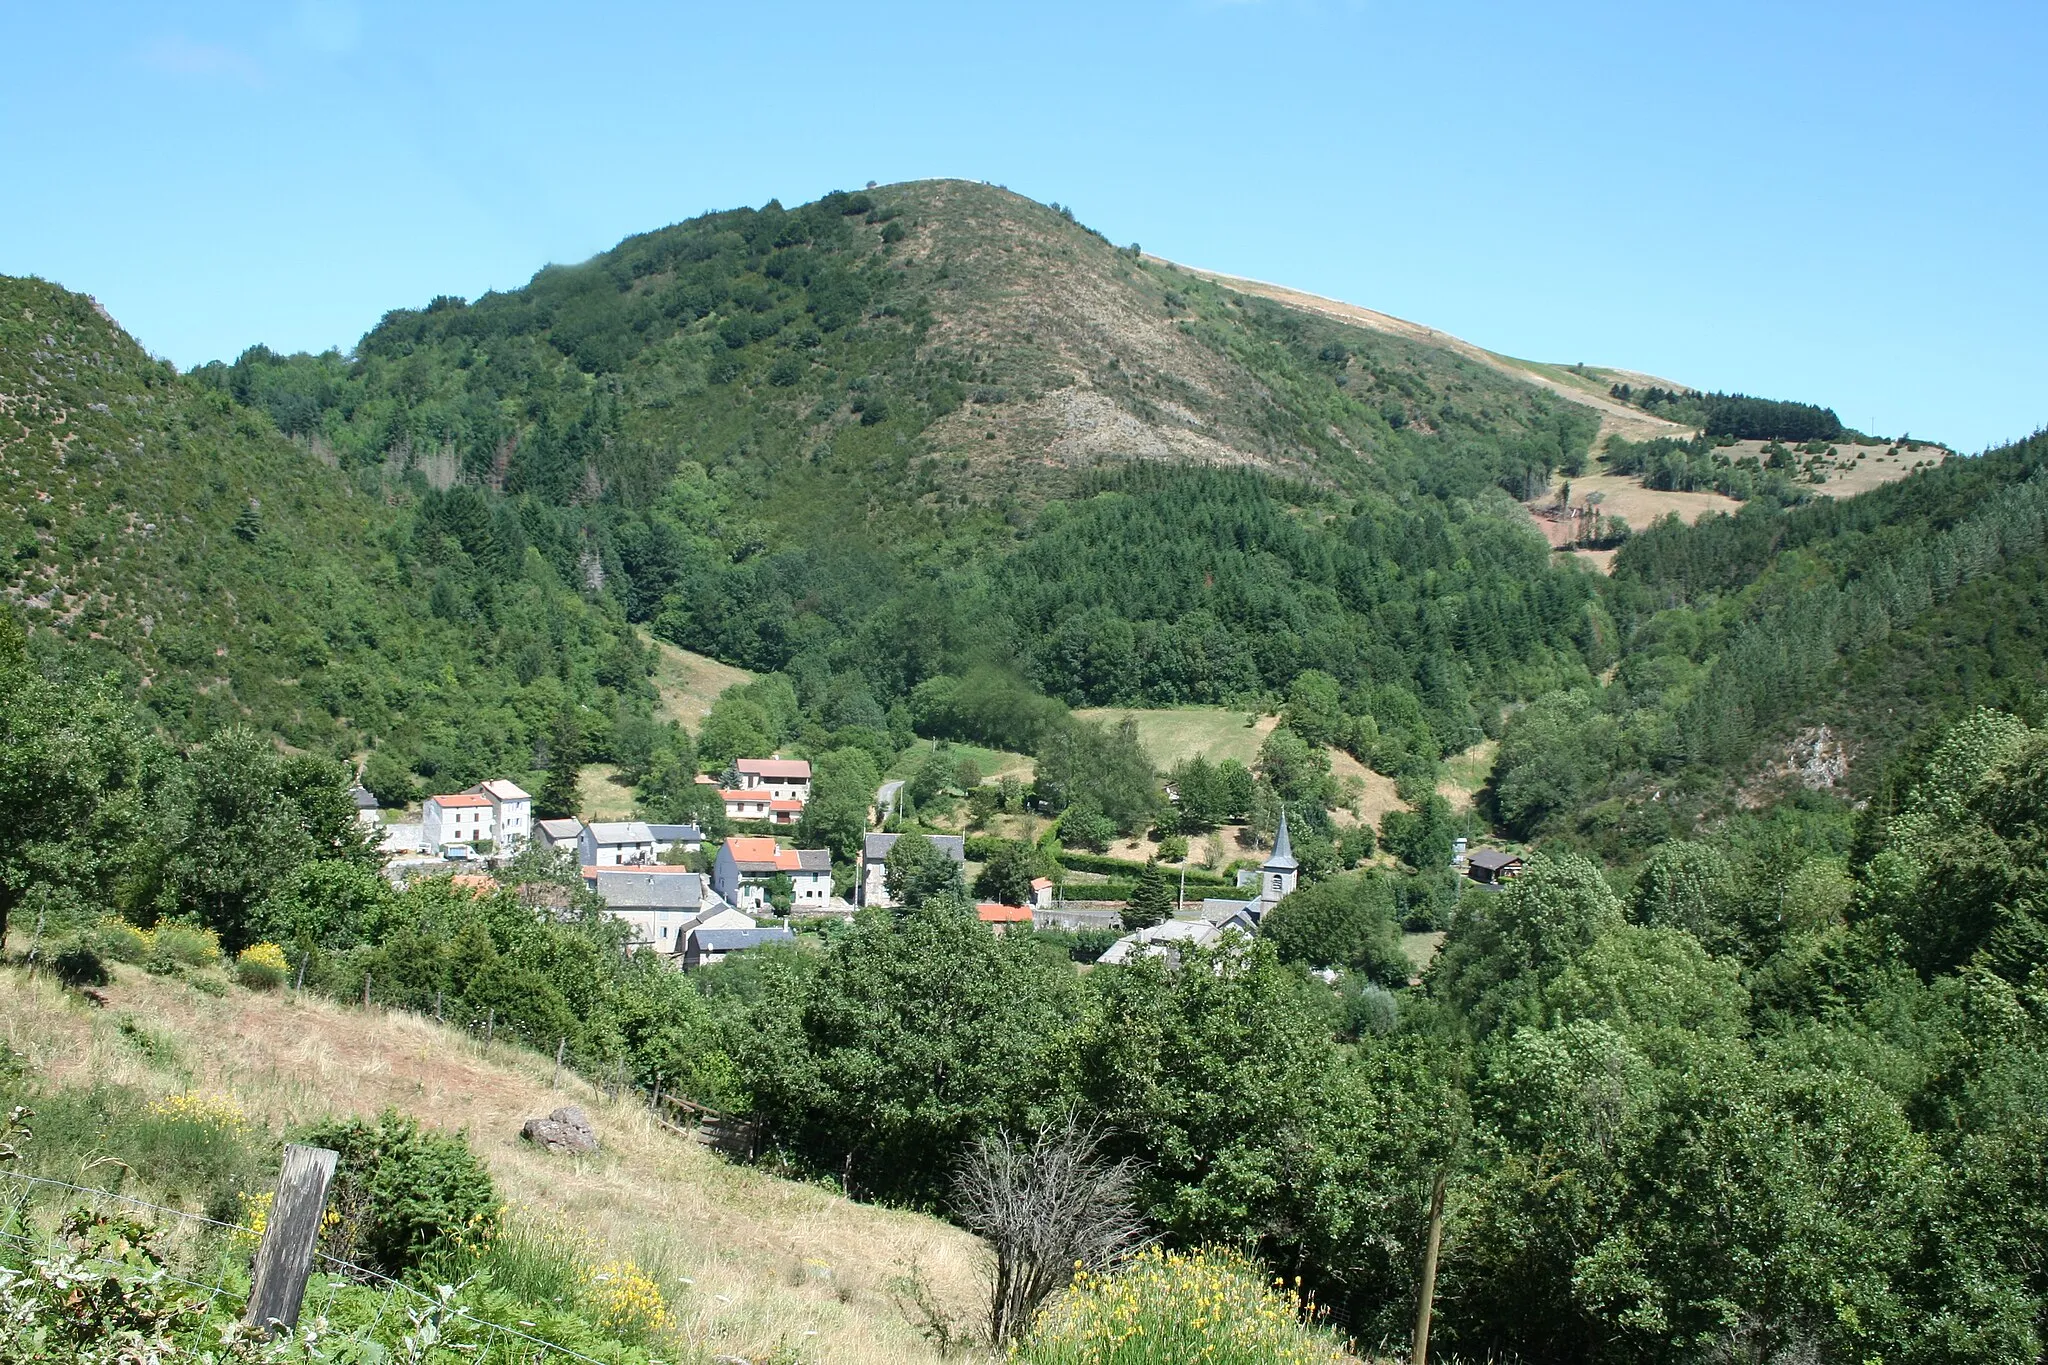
<point>884,443</point>
<point>165,531</point>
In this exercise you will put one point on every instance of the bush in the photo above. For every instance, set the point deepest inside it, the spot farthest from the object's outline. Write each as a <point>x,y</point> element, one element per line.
<point>403,1193</point>
<point>262,967</point>
<point>121,941</point>
<point>1170,1307</point>
<point>184,945</point>
<point>77,964</point>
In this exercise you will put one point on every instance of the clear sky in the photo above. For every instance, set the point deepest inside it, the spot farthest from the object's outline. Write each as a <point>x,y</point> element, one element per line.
<point>1844,203</point>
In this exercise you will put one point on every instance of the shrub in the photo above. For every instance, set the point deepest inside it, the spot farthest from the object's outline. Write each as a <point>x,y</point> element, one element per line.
<point>262,967</point>
<point>77,964</point>
<point>1170,1307</point>
<point>184,945</point>
<point>122,942</point>
<point>403,1193</point>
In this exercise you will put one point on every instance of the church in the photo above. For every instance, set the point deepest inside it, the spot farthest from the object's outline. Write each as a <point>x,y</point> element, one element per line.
<point>1277,878</point>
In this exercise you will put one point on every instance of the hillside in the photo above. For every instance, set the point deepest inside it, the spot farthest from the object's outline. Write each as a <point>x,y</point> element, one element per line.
<point>879,444</point>
<point>753,1264</point>
<point>166,532</point>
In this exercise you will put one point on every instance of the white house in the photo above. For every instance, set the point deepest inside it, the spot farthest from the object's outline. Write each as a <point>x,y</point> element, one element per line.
<point>742,803</point>
<point>458,818</point>
<point>746,866</point>
<point>367,812</point>
<point>615,843</point>
<point>559,833</point>
<point>784,779</point>
<point>663,905</point>
<point>512,810</point>
<point>1041,893</point>
<point>872,889</point>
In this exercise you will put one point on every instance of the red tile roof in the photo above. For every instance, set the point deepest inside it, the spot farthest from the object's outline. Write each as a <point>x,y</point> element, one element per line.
<point>785,805</point>
<point>989,912</point>
<point>460,799</point>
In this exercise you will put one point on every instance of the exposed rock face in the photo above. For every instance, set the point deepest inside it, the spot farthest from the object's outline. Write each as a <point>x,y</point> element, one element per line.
<point>566,1130</point>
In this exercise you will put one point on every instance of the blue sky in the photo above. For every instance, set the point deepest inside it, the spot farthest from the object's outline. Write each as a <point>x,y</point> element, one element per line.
<point>1845,203</point>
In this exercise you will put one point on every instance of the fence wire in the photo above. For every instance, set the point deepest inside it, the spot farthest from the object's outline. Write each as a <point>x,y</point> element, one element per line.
<point>16,1231</point>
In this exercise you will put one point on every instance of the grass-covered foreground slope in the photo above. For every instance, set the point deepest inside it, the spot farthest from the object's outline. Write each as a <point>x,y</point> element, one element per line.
<point>230,576</point>
<point>745,1263</point>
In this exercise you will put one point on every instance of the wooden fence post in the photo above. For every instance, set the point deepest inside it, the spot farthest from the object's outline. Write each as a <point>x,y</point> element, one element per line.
<point>1420,1354</point>
<point>366,990</point>
<point>285,1258</point>
<point>437,1004</point>
<point>556,1083</point>
<point>301,984</point>
<point>491,1026</point>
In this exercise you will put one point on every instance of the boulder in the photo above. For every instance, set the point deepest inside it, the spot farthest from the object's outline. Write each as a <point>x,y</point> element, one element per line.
<point>566,1130</point>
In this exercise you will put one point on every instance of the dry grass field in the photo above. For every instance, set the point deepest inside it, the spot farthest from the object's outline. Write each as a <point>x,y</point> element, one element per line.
<point>1174,733</point>
<point>688,683</point>
<point>601,794</point>
<point>754,1265</point>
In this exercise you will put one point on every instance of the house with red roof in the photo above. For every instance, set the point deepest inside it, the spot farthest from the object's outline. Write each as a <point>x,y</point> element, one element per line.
<point>747,866</point>
<point>1002,918</point>
<point>464,818</point>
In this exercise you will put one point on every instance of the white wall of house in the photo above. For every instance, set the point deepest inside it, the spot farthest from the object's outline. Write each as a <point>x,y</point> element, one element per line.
<point>457,823</point>
<point>513,810</point>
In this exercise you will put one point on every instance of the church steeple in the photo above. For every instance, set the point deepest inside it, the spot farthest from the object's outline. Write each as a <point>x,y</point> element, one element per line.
<point>1283,850</point>
<point>1280,872</point>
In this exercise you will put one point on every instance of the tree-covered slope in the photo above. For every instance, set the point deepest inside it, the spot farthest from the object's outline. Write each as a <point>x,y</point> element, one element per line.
<point>900,435</point>
<point>230,576</point>
<point>1879,617</point>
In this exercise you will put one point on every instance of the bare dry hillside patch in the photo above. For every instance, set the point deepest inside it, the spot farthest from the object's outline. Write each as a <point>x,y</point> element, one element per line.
<point>688,683</point>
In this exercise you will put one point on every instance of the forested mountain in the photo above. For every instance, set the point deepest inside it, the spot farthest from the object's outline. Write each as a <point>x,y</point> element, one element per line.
<point>164,530</point>
<point>901,437</point>
<point>1878,617</point>
<point>1762,1082</point>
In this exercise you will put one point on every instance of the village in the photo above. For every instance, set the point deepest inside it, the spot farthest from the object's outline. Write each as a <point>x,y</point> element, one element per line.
<point>693,900</point>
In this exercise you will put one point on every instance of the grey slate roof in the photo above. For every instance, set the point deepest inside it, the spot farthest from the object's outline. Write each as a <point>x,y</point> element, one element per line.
<point>560,830</point>
<point>629,890</point>
<point>362,797</point>
<point>875,847</point>
<point>814,859</point>
<point>621,832</point>
<point>1283,848</point>
<point>732,940</point>
<point>677,834</point>
<point>1492,859</point>
<point>1217,909</point>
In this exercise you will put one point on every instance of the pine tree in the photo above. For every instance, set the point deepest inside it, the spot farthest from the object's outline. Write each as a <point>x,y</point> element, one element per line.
<point>1152,902</point>
<point>559,797</point>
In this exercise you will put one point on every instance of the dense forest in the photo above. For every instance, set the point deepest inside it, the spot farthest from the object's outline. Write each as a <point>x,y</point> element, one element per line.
<point>1880,615</point>
<point>1736,415</point>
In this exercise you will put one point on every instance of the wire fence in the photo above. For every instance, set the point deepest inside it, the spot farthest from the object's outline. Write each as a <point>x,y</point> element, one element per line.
<point>498,1342</point>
